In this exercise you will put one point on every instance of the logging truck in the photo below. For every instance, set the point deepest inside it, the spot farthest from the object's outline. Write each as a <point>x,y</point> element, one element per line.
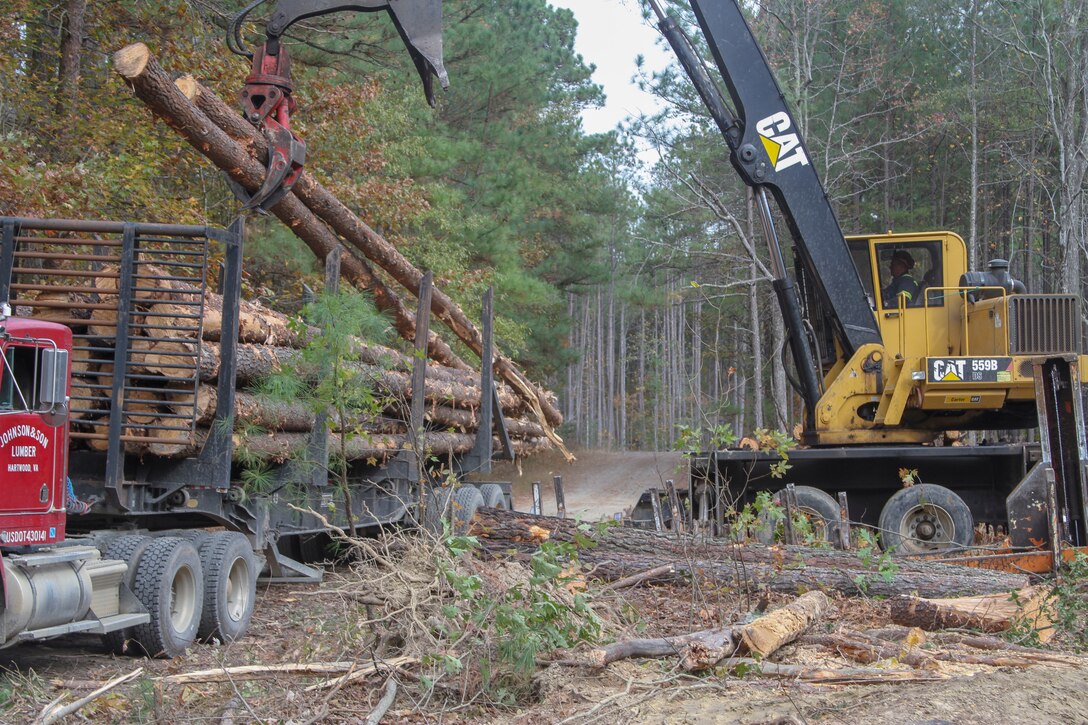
<point>124,509</point>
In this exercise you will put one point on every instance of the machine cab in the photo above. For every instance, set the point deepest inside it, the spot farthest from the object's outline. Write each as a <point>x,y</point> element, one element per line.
<point>34,389</point>
<point>910,279</point>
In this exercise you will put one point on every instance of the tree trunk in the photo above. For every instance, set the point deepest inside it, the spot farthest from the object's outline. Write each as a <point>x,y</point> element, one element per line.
<point>622,551</point>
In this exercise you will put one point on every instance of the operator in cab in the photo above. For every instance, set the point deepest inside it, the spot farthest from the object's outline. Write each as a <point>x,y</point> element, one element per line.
<point>902,284</point>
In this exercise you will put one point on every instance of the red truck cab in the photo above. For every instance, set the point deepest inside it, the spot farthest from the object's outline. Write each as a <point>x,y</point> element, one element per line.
<point>34,389</point>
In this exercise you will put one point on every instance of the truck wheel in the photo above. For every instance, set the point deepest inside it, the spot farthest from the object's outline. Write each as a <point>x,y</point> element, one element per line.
<point>493,496</point>
<point>466,500</point>
<point>126,548</point>
<point>438,504</point>
<point>169,583</point>
<point>230,586</point>
<point>925,517</point>
<point>817,507</point>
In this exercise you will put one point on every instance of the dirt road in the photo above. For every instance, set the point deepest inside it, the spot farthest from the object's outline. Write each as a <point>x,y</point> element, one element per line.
<point>597,485</point>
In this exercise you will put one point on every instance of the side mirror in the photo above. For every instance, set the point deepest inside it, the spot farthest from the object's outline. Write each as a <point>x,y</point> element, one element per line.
<point>53,384</point>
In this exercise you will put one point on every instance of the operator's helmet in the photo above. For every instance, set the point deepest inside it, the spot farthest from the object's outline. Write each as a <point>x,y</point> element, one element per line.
<point>903,256</point>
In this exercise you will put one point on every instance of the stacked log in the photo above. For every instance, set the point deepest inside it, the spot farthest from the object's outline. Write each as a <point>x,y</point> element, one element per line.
<point>168,417</point>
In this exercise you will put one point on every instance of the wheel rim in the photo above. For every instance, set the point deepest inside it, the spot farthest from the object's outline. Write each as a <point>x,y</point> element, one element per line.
<point>183,604</point>
<point>812,516</point>
<point>237,598</point>
<point>816,520</point>
<point>926,527</point>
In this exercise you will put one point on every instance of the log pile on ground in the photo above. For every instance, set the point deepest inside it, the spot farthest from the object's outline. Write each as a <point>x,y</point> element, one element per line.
<point>618,552</point>
<point>812,589</point>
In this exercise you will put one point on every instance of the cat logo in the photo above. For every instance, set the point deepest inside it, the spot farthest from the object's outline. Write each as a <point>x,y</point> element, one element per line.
<point>784,149</point>
<point>947,371</point>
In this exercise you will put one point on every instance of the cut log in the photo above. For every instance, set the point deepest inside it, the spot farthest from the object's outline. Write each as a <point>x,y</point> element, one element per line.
<point>621,551</point>
<point>327,207</point>
<point>1030,608</point>
<point>769,633</point>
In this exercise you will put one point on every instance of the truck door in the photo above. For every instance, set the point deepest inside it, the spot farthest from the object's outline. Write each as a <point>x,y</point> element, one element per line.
<point>29,448</point>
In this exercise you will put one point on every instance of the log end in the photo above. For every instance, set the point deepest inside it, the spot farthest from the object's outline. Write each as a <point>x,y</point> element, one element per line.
<point>189,86</point>
<point>132,60</point>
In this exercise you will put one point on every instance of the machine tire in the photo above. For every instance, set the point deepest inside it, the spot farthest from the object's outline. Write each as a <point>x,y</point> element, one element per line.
<point>818,506</point>
<point>438,503</point>
<point>170,584</point>
<point>230,586</point>
<point>932,508</point>
<point>196,536</point>
<point>127,548</point>
<point>493,496</point>
<point>466,500</point>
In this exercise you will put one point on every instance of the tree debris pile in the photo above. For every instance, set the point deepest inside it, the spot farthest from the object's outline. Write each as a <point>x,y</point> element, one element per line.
<point>524,617</point>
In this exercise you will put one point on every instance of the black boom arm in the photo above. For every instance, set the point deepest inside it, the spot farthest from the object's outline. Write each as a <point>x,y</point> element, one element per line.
<point>769,154</point>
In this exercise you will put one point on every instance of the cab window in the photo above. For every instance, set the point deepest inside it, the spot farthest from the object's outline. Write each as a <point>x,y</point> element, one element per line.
<point>912,272</point>
<point>18,379</point>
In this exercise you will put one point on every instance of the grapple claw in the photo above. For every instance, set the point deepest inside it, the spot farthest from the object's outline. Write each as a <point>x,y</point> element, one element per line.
<point>267,102</point>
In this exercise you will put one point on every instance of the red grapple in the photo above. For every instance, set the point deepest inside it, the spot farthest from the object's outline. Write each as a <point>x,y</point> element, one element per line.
<point>267,102</point>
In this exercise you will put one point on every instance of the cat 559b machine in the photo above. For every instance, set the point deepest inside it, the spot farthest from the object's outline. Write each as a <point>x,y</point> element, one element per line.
<point>881,376</point>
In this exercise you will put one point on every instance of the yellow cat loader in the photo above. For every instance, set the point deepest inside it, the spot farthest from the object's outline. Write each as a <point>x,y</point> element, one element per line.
<point>884,361</point>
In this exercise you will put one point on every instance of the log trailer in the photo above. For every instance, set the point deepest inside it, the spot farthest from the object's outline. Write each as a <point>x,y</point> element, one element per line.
<point>881,375</point>
<point>154,550</point>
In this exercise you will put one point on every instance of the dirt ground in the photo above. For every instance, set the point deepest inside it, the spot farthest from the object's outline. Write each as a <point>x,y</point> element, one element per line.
<point>597,485</point>
<point>333,622</point>
<point>292,625</point>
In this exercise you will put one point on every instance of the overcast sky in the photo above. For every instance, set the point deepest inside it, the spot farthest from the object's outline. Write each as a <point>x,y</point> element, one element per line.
<point>610,34</point>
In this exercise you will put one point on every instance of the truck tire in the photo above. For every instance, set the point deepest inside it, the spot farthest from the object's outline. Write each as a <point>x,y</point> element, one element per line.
<point>230,586</point>
<point>493,496</point>
<point>817,506</point>
<point>127,548</point>
<point>169,583</point>
<point>925,517</point>
<point>438,504</point>
<point>466,500</point>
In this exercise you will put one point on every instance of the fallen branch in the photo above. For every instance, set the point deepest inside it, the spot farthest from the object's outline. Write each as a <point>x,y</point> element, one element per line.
<point>658,572</point>
<point>839,676</point>
<point>51,713</point>
<point>384,704</point>
<point>256,672</point>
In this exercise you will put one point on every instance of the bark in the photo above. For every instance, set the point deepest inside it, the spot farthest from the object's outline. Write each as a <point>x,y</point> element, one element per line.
<point>621,551</point>
<point>255,362</point>
<point>327,207</point>
<point>697,651</point>
<point>71,53</point>
<point>256,410</point>
<point>152,85</point>
<point>279,447</point>
<point>992,613</point>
